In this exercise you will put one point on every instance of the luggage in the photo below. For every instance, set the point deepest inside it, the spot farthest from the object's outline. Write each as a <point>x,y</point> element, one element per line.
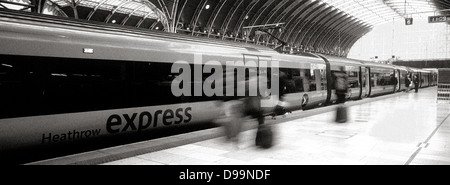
<point>232,119</point>
<point>341,114</point>
<point>264,136</point>
<point>252,106</point>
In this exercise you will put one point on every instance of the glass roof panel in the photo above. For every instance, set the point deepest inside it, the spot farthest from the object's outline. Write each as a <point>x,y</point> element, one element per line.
<point>138,8</point>
<point>410,8</point>
<point>372,12</point>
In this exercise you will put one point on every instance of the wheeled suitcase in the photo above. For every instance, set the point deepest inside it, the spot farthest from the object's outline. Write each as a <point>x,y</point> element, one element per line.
<point>341,114</point>
<point>264,136</point>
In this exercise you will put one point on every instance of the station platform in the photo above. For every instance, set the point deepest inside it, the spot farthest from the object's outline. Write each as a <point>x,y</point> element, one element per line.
<point>398,129</point>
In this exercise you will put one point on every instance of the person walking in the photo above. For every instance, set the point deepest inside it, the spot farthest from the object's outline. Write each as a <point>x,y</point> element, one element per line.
<point>341,86</point>
<point>407,83</point>
<point>416,83</point>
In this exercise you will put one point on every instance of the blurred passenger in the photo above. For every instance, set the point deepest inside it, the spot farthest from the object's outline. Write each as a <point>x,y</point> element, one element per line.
<point>233,119</point>
<point>407,83</point>
<point>280,108</point>
<point>253,102</point>
<point>416,83</point>
<point>394,81</point>
<point>232,108</point>
<point>341,86</point>
<point>264,134</point>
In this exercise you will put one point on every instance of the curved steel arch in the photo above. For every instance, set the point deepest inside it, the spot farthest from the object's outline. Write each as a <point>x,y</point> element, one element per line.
<point>329,22</point>
<point>304,16</point>
<point>214,14</point>
<point>229,16</point>
<point>347,30</point>
<point>351,40</point>
<point>271,14</point>
<point>338,29</point>
<point>298,9</point>
<point>309,20</point>
<point>114,10</point>
<point>238,25</point>
<point>312,30</point>
<point>344,19</point>
<point>124,21</point>
<point>282,16</point>
<point>296,16</point>
<point>197,13</point>
<point>260,12</point>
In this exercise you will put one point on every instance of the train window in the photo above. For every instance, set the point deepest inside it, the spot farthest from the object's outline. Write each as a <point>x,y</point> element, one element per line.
<point>352,78</point>
<point>309,82</point>
<point>76,85</point>
<point>152,84</point>
<point>352,73</point>
<point>323,79</point>
<point>31,86</point>
<point>293,81</point>
<point>382,77</point>
<point>21,87</point>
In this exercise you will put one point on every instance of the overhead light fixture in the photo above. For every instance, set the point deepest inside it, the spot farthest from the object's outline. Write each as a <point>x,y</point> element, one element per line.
<point>207,6</point>
<point>7,65</point>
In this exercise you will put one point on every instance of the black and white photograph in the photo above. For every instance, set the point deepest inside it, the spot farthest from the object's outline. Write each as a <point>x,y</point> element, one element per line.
<point>224,90</point>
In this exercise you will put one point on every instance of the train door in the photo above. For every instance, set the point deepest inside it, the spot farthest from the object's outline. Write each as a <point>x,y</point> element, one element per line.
<point>420,76</point>
<point>398,77</point>
<point>402,80</point>
<point>364,79</point>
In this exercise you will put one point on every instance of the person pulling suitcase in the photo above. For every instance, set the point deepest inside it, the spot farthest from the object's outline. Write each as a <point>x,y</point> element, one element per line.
<point>341,86</point>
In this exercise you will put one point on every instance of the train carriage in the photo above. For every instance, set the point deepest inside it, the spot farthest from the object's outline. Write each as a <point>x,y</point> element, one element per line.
<point>381,78</point>
<point>401,73</point>
<point>65,80</point>
<point>305,82</point>
<point>353,70</point>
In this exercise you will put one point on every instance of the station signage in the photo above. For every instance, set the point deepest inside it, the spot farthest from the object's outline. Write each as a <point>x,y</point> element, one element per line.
<point>439,18</point>
<point>408,21</point>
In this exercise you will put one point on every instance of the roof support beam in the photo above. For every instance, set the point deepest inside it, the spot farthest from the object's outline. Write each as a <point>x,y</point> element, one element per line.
<point>229,16</point>
<point>321,32</point>
<point>272,13</point>
<point>244,16</point>
<point>258,14</point>
<point>311,31</point>
<point>287,12</point>
<point>197,14</point>
<point>212,19</point>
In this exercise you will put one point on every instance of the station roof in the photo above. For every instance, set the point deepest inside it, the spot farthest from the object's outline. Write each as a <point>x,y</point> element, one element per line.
<point>323,26</point>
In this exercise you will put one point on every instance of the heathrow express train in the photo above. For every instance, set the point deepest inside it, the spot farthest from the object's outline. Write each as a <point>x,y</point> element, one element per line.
<point>65,80</point>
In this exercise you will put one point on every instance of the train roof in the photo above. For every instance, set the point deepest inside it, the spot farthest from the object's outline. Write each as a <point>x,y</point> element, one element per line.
<point>401,67</point>
<point>45,22</point>
<point>342,60</point>
<point>374,64</point>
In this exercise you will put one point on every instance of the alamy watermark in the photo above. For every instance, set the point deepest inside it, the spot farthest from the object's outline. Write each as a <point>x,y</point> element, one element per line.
<point>241,78</point>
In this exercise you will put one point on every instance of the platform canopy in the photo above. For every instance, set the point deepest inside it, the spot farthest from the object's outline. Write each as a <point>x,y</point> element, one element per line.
<point>322,26</point>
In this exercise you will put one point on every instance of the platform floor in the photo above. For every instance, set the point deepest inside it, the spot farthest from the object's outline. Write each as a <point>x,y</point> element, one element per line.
<point>400,129</point>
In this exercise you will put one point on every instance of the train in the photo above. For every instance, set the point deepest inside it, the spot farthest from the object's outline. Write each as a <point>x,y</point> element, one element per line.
<point>64,80</point>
